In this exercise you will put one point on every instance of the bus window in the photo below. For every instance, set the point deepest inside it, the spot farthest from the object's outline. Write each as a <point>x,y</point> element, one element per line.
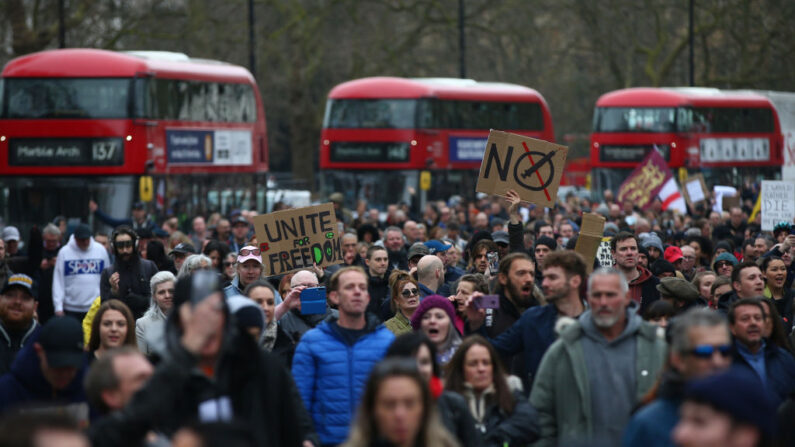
<point>731,119</point>
<point>67,98</point>
<point>635,119</point>
<point>371,114</point>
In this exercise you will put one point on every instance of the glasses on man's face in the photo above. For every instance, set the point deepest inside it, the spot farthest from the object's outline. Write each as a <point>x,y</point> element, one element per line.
<point>250,251</point>
<point>722,264</point>
<point>706,351</point>
<point>228,263</point>
<point>306,284</point>
<point>408,293</point>
<point>124,244</point>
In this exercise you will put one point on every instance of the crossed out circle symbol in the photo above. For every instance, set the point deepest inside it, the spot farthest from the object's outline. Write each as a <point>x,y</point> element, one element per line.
<point>532,171</point>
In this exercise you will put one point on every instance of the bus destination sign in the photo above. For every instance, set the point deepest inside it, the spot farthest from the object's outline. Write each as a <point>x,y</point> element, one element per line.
<point>66,152</point>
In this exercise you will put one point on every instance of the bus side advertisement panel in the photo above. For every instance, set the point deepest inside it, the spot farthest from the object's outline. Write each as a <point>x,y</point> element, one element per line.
<point>467,148</point>
<point>209,147</point>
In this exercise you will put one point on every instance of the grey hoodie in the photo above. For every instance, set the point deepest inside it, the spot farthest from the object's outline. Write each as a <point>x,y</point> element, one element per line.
<point>611,373</point>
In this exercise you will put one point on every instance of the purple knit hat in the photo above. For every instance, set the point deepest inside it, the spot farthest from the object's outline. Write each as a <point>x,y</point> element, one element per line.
<point>428,303</point>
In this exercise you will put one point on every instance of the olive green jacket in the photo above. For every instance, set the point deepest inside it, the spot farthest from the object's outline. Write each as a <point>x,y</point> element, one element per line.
<point>561,390</point>
<point>398,324</point>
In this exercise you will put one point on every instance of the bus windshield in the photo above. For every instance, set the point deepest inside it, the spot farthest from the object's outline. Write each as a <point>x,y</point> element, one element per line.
<point>371,113</point>
<point>37,98</point>
<point>635,119</point>
<point>432,114</point>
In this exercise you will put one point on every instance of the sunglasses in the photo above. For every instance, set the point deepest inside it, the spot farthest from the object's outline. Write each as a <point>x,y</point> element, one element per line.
<point>227,263</point>
<point>250,251</point>
<point>706,351</point>
<point>409,293</point>
<point>124,244</point>
<point>722,264</point>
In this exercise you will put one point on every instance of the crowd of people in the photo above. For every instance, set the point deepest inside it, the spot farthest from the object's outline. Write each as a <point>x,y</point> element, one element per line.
<point>470,323</point>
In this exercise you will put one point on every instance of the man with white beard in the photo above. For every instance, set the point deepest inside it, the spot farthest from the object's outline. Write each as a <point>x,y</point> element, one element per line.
<point>592,377</point>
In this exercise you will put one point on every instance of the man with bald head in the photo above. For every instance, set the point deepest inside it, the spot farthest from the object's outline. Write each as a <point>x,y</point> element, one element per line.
<point>288,313</point>
<point>411,231</point>
<point>430,276</point>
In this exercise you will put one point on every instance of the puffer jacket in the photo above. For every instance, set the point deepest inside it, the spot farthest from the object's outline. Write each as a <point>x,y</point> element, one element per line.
<point>330,373</point>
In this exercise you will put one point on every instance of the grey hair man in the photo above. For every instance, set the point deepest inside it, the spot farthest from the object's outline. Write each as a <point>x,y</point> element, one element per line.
<point>596,372</point>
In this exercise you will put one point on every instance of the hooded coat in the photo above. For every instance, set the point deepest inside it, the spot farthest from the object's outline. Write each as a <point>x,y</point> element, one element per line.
<point>258,388</point>
<point>134,277</point>
<point>562,391</point>
<point>75,282</point>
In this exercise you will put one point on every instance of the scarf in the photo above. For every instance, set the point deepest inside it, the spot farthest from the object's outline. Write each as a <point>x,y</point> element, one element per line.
<point>269,336</point>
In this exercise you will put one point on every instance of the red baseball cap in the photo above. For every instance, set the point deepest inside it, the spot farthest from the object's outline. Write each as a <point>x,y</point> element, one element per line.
<point>673,254</point>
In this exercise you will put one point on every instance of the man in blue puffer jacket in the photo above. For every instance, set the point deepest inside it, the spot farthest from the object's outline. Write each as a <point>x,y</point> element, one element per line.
<point>333,361</point>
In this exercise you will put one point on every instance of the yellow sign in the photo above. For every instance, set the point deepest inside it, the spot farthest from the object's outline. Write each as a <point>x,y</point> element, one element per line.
<point>145,188</point>
<point>425,180</point>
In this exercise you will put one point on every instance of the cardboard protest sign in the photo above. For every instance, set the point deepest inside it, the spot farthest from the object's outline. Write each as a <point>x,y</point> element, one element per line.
<point>531,167</point>
<point>645,182</point>
<point>590,238</point>
<point>730,202</point>
<point>295,239</point>
<point>778,203</point>
<point>695,190</point>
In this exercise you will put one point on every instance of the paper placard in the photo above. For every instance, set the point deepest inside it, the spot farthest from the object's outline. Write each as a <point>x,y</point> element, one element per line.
<point>590,238</point>
<point>720,192</point>
<point>778,203</point>
<point>695,190</point>
<point>293,239</point>
<point>531,167</point>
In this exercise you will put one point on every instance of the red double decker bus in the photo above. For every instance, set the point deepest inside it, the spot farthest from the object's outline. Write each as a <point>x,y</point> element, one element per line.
<point>80,123</point>
<point>728,136</point>
<point>379,133</point>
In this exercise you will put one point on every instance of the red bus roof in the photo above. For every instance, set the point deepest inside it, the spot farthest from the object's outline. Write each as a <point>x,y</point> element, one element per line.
<point>446,88</point>
<point>680,96</point>
<point>82,62</point>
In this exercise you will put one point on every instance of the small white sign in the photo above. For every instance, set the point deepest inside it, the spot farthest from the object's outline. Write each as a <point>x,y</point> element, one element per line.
<point>778,203</point>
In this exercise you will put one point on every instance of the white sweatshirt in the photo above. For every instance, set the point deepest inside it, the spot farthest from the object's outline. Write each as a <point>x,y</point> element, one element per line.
<point>75,282</point>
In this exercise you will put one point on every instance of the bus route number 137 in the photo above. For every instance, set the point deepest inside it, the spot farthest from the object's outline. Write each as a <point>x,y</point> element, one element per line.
<point>105,151</point>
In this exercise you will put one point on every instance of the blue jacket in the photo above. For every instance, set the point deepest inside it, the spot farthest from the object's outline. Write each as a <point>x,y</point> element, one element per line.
<point>25,384</point>
<point>532,334</point>
<point>330,374</point>
<point>779,368</point>
<point>653,425</point>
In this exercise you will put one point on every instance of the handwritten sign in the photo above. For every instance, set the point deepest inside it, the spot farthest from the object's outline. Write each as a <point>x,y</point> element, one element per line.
<point>645,182</point>
<point>778,203</point>
<point>295,239</point>
<point>531,167</point>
